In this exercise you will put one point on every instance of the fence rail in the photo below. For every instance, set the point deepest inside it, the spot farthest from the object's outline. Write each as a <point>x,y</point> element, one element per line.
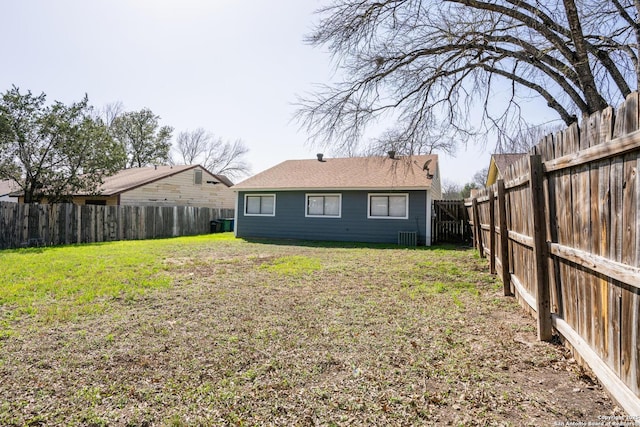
<point>561,230</point>
<point>58,224</point>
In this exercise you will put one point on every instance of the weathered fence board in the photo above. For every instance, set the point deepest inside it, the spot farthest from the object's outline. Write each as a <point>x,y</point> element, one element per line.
<point>60,224</point>
<point>577,229</point>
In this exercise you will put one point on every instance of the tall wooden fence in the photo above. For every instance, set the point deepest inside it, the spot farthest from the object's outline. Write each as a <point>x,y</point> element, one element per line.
<point>561,230</point>
<point>59,224</point>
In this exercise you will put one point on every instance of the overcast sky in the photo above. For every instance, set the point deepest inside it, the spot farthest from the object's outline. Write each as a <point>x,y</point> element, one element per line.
<point>233,67</point>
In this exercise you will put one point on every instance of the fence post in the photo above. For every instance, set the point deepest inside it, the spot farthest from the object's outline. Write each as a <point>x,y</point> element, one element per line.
<point>492,232</point>
<point>504,238</point>
<point>477,228</point>
<point>540,248</point>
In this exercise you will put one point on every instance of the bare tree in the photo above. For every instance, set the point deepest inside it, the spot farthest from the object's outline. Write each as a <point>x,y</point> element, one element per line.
<point>451,190</point>
<point>218,156</point>
<point>421,141</point>
<point>190,145</point>
<point>433,65</point>
<point>110,112</point>
<point>480,177</point>
<point>227,158</point>
<point>524,138</point>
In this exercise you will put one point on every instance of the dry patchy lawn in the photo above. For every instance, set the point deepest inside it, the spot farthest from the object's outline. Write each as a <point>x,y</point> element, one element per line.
<point>278,333</point>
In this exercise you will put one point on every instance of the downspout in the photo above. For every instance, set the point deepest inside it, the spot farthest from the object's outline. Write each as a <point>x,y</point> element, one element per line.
<point>235,214</point>
<point>427,235</point>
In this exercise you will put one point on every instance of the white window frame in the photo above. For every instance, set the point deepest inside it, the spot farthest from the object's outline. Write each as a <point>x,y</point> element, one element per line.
<point>406,208</point>
<point>306,205</point>
<point>197,176</point>
<point>246,196</point>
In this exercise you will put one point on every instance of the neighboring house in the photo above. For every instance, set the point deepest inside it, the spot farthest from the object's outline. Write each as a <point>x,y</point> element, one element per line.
<point>185,185</point>
<point>365,199</point>
<point>499,164</point>
<point>6,188</point>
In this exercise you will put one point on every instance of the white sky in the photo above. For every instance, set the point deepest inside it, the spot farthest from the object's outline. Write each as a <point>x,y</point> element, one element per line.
<point>233,67</point>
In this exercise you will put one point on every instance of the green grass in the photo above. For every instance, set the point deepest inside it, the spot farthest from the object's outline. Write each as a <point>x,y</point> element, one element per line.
<point>65,282</point>
<point>213,330</point>
<point>293,265</point>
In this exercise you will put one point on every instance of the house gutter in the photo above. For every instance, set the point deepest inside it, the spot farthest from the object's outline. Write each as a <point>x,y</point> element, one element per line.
<point>425,188</point>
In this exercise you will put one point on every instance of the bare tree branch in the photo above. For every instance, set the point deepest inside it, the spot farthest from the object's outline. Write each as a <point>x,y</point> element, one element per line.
<point>216,155</point>
<point>192,144</point>
<point>428,64</point>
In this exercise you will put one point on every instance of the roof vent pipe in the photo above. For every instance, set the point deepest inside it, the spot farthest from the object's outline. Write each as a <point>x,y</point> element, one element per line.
<point>392,154</point>
<point>320,155</point>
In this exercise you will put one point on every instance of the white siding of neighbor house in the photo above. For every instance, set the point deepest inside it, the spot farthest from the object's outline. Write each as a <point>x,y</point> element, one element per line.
<point>181,190</point>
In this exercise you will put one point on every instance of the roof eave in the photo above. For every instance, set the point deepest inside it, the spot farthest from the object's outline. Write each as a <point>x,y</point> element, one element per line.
<point>273,189</point>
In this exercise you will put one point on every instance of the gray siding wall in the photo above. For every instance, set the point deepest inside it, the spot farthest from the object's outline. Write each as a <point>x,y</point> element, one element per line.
<point>290,222</point>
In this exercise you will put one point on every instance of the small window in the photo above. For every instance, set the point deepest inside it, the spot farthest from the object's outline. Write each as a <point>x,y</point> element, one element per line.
<point>323,205</point>
<point>95,202</point>
<point>197,176</point>
<point>394,206</point>
<point>263,204</point>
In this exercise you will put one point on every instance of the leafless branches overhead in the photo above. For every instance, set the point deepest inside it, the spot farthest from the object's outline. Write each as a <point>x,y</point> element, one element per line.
<point>457,68</point>
<point>217,155</point>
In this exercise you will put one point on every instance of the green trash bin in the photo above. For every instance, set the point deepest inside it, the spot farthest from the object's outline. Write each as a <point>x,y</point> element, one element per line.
<point>227,224</point>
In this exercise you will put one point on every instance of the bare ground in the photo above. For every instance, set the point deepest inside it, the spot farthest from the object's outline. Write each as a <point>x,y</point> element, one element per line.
<point>370,337</point>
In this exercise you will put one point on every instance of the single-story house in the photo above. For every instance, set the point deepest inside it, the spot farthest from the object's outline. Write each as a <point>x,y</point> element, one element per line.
<point>183,185</point>
<point>499,164</point>
<point>357,199</point>
<point>7,187</point>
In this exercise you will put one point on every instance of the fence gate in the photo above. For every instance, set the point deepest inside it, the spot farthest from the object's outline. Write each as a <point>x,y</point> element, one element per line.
<point>450,222</point>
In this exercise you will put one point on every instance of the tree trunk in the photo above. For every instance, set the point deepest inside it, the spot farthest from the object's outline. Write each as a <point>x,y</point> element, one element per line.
<point>595,102</point>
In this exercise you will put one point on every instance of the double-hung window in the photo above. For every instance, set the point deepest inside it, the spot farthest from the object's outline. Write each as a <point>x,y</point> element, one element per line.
<point>323,205</point>
<point>260,204</point>
<point>389,206</point>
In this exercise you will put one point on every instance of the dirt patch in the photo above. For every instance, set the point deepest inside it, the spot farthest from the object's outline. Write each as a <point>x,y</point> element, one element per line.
<point>370,338</point>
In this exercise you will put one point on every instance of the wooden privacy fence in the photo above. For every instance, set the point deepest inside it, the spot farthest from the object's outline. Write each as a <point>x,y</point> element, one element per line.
<point>450,222</point>
<point>561,230</point>
<point>59,224</point>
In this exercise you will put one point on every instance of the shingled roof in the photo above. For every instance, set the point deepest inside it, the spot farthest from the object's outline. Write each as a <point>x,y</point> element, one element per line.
<point>401,173</point>
<point>128,179</point>
<point>499,164</point>
<point>503,161</point>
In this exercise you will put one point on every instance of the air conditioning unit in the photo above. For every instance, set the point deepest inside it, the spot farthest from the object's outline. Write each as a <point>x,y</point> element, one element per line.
<point>407,238</point>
